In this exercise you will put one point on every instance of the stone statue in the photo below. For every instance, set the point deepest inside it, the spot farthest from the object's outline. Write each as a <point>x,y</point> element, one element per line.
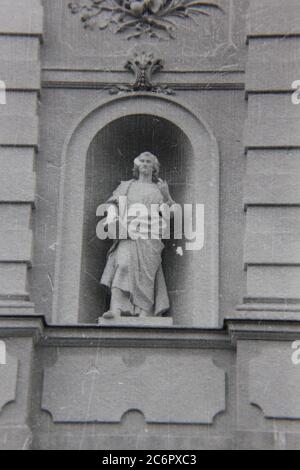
<point>133,272</point>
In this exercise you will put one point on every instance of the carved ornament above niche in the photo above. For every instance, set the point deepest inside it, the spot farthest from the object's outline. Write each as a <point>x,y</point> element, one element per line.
<point>143,65</point>
<point>153,18</point>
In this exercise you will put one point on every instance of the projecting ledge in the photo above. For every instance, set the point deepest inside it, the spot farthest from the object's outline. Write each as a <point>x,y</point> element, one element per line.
<point>237,325</point>
<point>16,308</point>
<point>137,321</point>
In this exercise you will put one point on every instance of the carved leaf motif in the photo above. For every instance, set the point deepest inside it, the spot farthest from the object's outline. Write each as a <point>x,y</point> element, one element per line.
<point>155,5</point>
<point>140,17</point>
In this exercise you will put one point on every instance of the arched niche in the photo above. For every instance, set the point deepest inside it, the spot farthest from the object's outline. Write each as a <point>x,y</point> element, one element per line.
<point>97,156</point>
<point>109,160</point>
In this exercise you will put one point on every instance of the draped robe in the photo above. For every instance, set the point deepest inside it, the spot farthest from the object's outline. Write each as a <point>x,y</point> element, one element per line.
<point>134,265</point>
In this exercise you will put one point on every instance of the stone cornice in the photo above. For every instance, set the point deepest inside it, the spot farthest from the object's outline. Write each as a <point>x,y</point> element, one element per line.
<point>21,18</point>
<point>105,79</point>
<point>235,329</point>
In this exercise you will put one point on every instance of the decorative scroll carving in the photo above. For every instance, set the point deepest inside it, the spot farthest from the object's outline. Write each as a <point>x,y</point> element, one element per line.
<point>143,66</point>
<point>140,17</point>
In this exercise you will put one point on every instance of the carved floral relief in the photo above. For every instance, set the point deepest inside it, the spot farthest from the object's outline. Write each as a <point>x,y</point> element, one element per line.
<point>152,18</point>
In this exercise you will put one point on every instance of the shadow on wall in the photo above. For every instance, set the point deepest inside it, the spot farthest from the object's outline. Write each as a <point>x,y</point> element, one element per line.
<point>109,161</point>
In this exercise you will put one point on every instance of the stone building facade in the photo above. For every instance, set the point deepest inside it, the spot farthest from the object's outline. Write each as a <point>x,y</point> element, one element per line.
<point>220,114</point>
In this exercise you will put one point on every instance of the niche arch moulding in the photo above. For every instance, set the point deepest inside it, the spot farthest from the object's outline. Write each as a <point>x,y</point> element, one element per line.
<point>194,292</point>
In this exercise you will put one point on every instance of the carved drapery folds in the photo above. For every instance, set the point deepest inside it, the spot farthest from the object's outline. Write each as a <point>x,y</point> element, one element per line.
<point>152,18</point>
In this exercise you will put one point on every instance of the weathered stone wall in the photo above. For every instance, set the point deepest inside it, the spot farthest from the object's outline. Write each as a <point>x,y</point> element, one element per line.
<point>84,387</point>
<point>266,375</point>
<point>61,110</point>
<point>21,30</point>
<point>271,195</point>
<point>205,67</point>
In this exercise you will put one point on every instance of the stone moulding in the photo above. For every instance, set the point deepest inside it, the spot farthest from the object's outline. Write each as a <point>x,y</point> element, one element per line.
<point>250,327</point>
<point>153,18</point>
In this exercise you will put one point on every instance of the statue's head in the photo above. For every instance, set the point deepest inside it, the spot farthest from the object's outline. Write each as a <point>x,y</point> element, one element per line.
<point>146,162</point>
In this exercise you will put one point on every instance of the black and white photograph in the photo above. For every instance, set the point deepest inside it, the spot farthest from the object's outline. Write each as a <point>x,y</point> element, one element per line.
<point>149,228</point>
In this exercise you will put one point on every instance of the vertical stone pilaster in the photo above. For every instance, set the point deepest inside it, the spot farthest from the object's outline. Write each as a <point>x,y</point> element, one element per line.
<point>272,145</point>
<point>21,28</point>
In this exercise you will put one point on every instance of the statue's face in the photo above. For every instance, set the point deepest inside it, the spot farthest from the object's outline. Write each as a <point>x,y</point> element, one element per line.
<point>145,164</point>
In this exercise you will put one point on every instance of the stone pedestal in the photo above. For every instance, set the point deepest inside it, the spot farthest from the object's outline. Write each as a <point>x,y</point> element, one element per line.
<point>137,322</point>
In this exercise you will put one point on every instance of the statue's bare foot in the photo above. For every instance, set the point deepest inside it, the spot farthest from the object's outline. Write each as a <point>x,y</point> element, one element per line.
<point>110,314</point>
<point>143,314</point>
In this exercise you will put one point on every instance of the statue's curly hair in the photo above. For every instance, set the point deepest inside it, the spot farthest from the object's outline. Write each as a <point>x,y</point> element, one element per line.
<point>156,166</point>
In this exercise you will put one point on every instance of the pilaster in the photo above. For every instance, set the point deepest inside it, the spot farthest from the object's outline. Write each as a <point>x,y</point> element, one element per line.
<point>21,29</point>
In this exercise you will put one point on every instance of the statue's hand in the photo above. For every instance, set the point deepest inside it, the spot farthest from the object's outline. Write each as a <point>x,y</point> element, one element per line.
<point>164,189</point>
